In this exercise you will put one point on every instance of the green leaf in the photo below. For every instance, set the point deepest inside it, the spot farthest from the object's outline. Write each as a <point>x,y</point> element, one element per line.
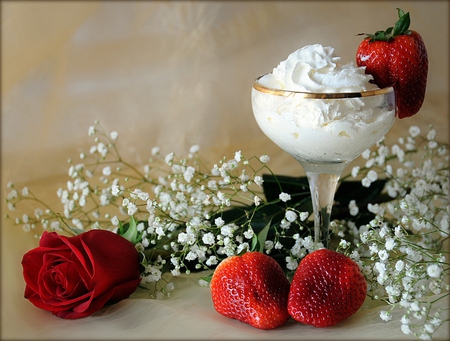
<point>75,230</point>
<point>255,245</point>
<point>131,232</point>
<point>207,278</point>
<point>354,190</point>
<point>259,240</point>
<point>402,25</point>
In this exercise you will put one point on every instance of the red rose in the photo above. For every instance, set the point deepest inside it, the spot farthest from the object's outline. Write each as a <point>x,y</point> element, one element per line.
<point>74,277</point>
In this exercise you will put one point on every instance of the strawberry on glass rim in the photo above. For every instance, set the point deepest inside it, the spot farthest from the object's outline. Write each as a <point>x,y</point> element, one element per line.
<point>397,57</point>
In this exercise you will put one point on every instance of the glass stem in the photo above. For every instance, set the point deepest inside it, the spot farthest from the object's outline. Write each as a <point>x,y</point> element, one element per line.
<point>323,187</point>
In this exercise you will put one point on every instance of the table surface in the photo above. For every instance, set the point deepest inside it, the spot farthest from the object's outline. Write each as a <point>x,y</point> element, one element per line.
<point>187,314</point>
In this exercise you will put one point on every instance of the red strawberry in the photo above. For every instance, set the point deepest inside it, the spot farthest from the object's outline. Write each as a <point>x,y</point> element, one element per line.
<point>397,57</point>
<point>251,288</point>
<point>327,288</point>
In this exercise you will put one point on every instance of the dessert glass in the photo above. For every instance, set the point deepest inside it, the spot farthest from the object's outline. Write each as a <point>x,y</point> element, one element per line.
<point>324,132</point>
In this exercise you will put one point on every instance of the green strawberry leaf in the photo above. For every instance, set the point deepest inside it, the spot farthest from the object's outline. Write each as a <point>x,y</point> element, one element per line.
<point>402,25</point>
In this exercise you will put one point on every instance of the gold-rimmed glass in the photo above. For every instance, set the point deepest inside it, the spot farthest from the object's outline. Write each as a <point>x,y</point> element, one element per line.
<point>324,132</point>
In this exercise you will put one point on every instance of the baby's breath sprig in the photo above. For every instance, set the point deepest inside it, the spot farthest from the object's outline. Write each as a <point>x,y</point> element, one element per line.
<point>184,214</point>
<point>403,251</point>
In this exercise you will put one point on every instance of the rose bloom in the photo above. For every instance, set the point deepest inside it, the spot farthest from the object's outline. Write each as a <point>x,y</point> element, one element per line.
<point>74,277</point>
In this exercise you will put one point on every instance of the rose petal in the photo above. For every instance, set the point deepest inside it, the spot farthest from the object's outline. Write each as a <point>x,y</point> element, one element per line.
<point>73,277</point>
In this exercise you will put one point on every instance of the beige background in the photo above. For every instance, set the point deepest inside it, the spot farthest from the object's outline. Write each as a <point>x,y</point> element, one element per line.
<point>169,74</point>
<point>173,74</point>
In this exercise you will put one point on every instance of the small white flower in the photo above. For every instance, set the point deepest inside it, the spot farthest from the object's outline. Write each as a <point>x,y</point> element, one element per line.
<point>38,213</point>
<point>390,244</point>
<point>284,224</point>
<point>169,158</point>
<point>12,195</point>
<point>256,200</point>
<point>385,315</point>
<point>291,263</point>
<point>434,270</point>
<point>242,247</point>
<point>106,171</point>
<point>344,244</point>
<point>194,149</point>
<point>429,328</point>
<point>238,156</point>
<point>366,182</point>
<point>405,329</point>
<point>291,216</point>
<point>212,184</point>
<point>189,173</point>
<point>268,245</point>
<point>415,306</point>
<point>355,255</point>
<point>175,272</point>
<point>372,175</point>
<point>431,135</point>
<point>212,260</point>
<point>366,154</point>
<point>284,197</point>
<point>258,180</point>
<point>354,210</point>
<point>140,227</point>
<point>227,230</point>
<point>115,190</point>
<point>264,158</point>
<point>155,151</point>
<point>383,254</point>
<point>114,135</point>
<point>55,225</point>
<point>132,208</point>
<point>191,255</point>
<point>374,208</point>
<point>115,221</point>
<point>249,234</point>
<point>208,238</point>
<point>219,222</point>
<point>414,131</point>
<point>304,216</point>
<point>355,171</point>
<point>370,163</point>
<point>102,149</point>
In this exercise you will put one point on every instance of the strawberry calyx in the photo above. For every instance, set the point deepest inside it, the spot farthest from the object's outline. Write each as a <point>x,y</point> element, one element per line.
<point>401,27</point>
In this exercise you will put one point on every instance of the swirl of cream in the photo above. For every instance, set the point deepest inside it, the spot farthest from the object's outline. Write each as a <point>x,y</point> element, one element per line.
<point>315,68</point>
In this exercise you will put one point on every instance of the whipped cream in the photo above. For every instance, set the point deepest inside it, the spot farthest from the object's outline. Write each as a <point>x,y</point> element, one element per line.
<point>321,130</point>
<point>315,68</point>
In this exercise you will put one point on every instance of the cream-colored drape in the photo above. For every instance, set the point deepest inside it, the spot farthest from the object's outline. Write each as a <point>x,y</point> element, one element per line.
<point>169,74</point>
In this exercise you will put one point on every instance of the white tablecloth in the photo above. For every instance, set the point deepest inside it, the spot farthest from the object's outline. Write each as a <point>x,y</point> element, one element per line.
<point>187,314</point>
